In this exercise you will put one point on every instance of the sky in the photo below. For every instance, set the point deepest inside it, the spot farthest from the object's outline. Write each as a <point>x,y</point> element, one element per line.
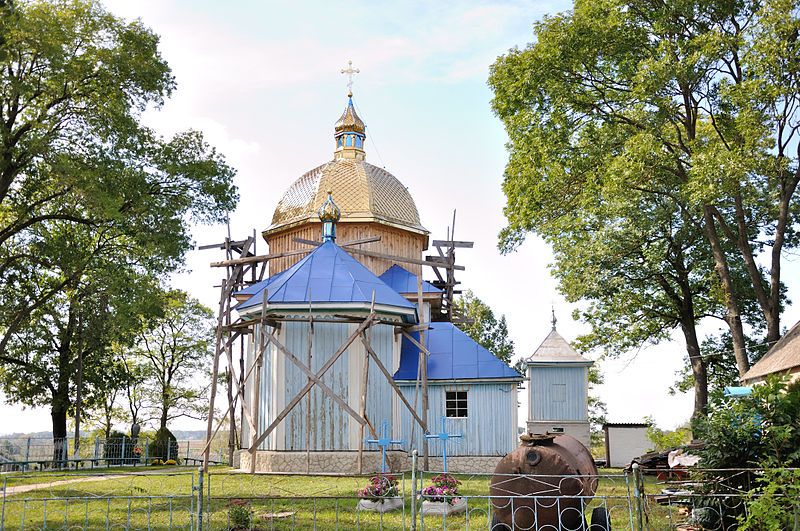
<point>262,81</point>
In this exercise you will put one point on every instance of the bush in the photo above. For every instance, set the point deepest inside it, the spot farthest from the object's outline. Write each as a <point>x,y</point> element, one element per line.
<point>119,449</point>
<point>776,505</point>
<point>239,515</point>
<point>164,446</point>
<point>756,431</point>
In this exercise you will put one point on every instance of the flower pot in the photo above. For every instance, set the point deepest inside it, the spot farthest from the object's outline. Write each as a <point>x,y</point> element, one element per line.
<point>380,506</point>
<point>432,508</point>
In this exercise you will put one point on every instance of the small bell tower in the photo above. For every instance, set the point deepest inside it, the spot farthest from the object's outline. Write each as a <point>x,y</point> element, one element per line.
<point>558,389</point>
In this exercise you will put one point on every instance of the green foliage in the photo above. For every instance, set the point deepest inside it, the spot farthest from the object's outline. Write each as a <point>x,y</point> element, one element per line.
<point>775,505</point>
<point>118,449</point>
<point>173,353</point>
<point>94,206</point>
<point>491,333</point>
<point>240,515</point>
<point>163,446</point>
<point>643,148</point>
<point>667,439</point>
<point>757,430</point>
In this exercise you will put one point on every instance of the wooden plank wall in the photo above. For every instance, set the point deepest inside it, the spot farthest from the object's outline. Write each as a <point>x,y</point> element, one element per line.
<point>393,241</point>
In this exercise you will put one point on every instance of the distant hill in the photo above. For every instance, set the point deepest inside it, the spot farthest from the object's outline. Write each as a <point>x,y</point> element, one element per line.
<point>181,435</point>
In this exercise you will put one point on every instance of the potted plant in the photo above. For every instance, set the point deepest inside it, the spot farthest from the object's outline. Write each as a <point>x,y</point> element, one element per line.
<point>380,495</point>
<point>441,497</point>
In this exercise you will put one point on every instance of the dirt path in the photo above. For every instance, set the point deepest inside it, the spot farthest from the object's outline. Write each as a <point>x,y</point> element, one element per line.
<point>36,486</point>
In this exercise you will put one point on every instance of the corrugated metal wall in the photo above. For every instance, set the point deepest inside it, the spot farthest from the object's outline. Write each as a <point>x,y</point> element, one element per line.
<point>332,428</point>
<point>490,427</point>
<point>558,393</point>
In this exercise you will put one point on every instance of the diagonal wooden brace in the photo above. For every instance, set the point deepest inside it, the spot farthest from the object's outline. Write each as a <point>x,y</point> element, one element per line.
<point>315,380</point>
<point>389,378</point>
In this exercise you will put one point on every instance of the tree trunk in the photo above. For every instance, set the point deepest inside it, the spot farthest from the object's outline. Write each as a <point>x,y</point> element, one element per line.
<point>699,369</point>
<point>732,316</point>
<point>164,411</point>
<point>58,414</point>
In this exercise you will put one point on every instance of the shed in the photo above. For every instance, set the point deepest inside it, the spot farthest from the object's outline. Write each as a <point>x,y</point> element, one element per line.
<point>624,442</point>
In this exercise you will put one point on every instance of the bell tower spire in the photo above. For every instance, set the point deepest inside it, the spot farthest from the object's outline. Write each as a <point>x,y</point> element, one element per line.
<point>350,130</point>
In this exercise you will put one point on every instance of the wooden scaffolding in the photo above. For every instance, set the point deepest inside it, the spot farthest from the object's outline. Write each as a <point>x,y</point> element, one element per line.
<point>244,267</point>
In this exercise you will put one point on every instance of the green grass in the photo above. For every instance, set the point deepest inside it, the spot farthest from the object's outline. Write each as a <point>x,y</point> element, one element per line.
<point>162,498</point>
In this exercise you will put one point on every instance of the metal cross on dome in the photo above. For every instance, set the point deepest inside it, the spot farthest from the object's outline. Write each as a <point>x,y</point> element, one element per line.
<point>350,72</point>
<point>384,441</point>
<point>444,437</point>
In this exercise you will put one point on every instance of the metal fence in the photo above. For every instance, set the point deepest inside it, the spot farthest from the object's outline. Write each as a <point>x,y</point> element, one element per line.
<point>36,453</point>
<point>225,500</point>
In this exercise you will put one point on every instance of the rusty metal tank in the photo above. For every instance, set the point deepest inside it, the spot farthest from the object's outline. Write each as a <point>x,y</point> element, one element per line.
<point>551,473</point>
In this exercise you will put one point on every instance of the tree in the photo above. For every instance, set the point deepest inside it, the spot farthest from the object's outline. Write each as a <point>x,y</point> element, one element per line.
<point>177,349</point>
<point>686,108</point>
<point>482,326</point>
<point>63,350</point>
<point>92,203</point>
<point>75,80</point>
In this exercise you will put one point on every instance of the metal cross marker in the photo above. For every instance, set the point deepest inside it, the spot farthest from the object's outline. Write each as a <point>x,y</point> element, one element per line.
<point>350,72</point>
<point>444,437</point>
<point>385,441</point>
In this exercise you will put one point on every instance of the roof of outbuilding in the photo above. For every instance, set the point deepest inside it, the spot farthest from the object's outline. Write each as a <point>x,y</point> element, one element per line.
<point>556,349</point>
<point>453,356</point>
<point>403,281</point>
<point>782,357</point>
<point>327,275</point>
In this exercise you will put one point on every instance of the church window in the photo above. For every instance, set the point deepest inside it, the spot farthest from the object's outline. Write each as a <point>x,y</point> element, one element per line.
<point>455,404</point>
<point>349,141</point>
<point>339,142</point>
<point>559,392</point>
<point>359,142</point>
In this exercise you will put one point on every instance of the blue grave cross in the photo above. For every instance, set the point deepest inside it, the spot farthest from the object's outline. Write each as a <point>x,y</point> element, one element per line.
<point>444,437</point>
<point>384,441</point>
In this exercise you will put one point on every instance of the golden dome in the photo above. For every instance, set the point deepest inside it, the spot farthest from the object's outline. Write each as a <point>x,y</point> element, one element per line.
<point>363,192</point>
<point>349,121</point>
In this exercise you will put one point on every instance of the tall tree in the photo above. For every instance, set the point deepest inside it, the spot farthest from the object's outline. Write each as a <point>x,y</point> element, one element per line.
<point>74,81</point>
<point>482,326</point>
<point>92,203</point>
<point>691,106</point>
<point>177,348</point>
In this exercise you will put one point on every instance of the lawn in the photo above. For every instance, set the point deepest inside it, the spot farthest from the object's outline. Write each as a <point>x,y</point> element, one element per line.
<point>162,498</point>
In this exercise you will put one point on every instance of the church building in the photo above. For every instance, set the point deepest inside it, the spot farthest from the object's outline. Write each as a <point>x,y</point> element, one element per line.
<point>343,299</point>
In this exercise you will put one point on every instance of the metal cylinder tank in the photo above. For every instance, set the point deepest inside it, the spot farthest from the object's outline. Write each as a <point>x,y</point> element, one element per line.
<point>541,484</point>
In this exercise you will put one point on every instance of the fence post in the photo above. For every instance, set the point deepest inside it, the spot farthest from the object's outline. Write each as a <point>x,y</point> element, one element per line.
<point>27,455</point>
<point>200,499</point>
<point>146,452</point>
<point>3,510</point>
<point>186,461</point>
<point>122,453</point>
<point>638,495</point>
<point>96,449</point>
<point>414,490</point>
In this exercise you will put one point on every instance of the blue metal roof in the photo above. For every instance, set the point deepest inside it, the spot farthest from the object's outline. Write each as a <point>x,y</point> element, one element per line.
<point>329,275</point>
<point>258,287</point>
<point>454,356</point>
<point>404,281</point>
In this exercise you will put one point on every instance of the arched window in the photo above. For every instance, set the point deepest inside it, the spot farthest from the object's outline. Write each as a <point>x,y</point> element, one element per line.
<point>339,142</point>
<point>349,141</point>
<point>359,142</point>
